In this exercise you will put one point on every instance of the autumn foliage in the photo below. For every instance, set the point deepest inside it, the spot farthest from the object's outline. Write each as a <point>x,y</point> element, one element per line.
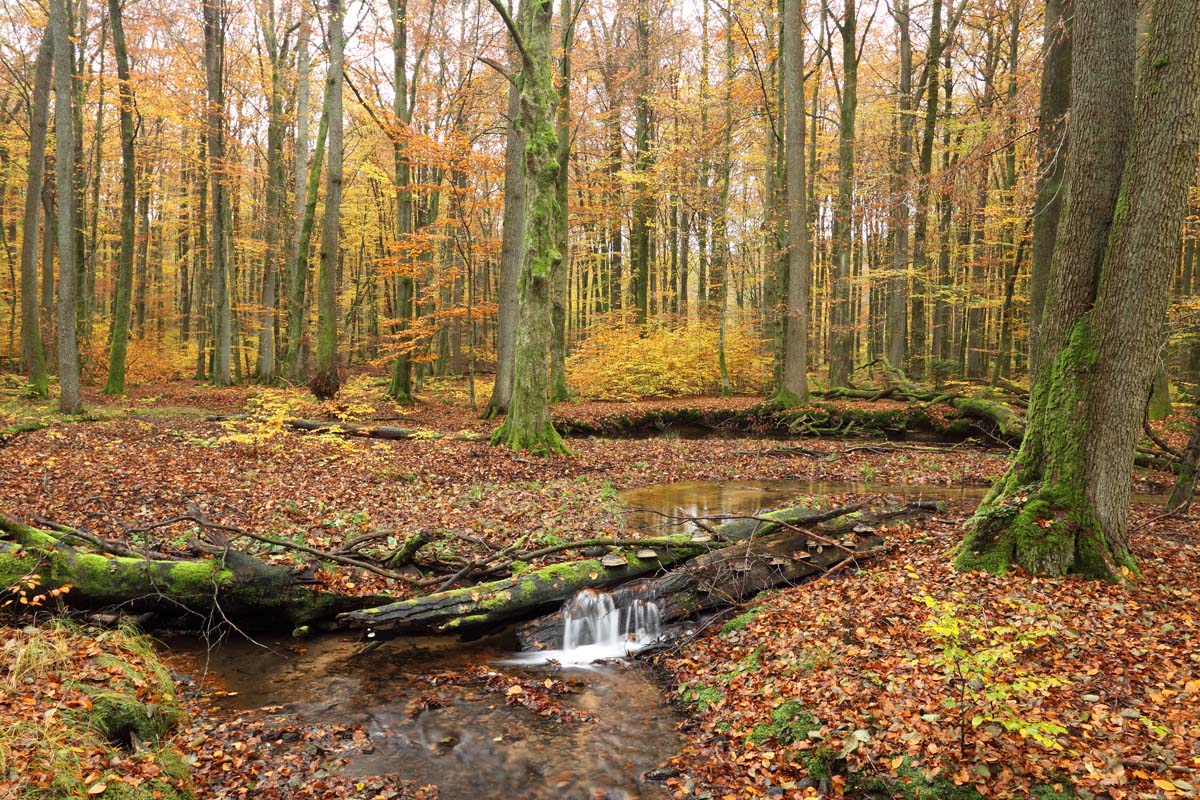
<point>671,358</point>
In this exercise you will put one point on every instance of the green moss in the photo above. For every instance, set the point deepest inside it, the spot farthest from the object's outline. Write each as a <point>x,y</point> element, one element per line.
<point>913,785</point>
<point>789,723</point>
<point>701,696</point>
<point>740,621</point>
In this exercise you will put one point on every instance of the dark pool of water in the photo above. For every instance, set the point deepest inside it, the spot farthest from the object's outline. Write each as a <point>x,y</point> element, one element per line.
<point>469,742</point>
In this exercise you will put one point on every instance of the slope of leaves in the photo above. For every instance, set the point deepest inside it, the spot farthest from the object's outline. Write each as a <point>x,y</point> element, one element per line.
<point>1108,673</point>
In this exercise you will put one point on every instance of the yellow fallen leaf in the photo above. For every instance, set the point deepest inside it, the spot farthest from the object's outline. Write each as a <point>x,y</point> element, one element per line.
<point>1166,786</point>
<point>514,690</point>
<point>97,788</point>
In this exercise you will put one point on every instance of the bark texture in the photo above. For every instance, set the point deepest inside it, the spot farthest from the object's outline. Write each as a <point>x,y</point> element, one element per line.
<point>1062,507</point>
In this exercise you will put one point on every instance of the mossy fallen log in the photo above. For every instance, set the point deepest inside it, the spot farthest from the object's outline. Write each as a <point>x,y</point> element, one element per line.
<point>773,549</point>
<point>230,585</point>
<point>523,595</point>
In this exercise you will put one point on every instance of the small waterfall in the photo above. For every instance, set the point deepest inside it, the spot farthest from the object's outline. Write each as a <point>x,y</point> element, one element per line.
<point>593,619</point>
<point>597,626</point>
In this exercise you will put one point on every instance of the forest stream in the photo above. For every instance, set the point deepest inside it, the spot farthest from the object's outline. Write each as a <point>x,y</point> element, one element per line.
<point>436,710</point>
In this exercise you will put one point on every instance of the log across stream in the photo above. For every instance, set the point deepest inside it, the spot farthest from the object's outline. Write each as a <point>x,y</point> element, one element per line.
<point>441,711</point>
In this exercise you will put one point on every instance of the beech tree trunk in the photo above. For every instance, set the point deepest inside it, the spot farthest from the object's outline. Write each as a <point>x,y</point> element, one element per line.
<point>841,331</point>
<point>401,384</point>
<point>1062,507</point>
<point>326,381</point>
<point>1052,151</point>
<point>64,167</point>
<point>121,303</point>
<point>222,316</point>
<point>799,270</point>
<point>33,352</point>
<point>511,253</point>
<point>301,181</point>
<point>528,425</point>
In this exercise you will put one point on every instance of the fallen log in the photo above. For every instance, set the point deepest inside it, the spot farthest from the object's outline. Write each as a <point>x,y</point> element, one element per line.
<point>539,591</point>
<point>523,595</point>
<point>388,432</point>
<point>786,553</point>
<point>230,585</point>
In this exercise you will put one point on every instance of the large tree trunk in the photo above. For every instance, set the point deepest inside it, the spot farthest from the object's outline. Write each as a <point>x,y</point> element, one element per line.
<point>799,271</point>
<point>68,267</point>
<point>1062,507</point>
<point>33,353</point>
<point>528,425</point>
<point>326,379</point>
<point>121,303</point>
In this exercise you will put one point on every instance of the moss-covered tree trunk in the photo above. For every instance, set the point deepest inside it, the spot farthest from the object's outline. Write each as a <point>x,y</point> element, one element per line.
<point>326,380</point>
<point>68,267</point>
<point>528,425</point>
<point>115,384</point>
<point>1062,507</point>
<point>560,283</point>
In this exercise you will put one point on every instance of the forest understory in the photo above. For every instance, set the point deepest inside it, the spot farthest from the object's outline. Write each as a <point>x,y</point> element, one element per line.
<point>836,687</point>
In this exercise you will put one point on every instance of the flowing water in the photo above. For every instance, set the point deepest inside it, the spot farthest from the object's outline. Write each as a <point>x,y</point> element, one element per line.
<point>427,729</point>
<point>464,737</point>
<point>596,630</point>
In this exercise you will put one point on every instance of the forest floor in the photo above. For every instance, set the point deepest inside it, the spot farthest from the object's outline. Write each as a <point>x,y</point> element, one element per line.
<point>881,681</point>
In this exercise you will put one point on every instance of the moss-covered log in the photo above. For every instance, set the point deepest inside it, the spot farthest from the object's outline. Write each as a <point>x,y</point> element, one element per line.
<point>523,595</point>
<point>772,554</point>
<point>232,584</point>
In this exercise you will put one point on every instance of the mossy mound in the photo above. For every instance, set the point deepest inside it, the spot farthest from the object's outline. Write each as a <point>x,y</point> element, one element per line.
<point>83,697</point>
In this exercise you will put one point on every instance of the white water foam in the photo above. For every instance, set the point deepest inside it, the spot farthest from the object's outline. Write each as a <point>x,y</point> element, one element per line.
<point>595,628</point>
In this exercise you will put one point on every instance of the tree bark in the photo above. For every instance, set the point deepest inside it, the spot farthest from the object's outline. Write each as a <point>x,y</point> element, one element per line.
<point>512,247</point>
<point>897,304</point>
<point>1052,151</point>
<point>115,384</point>
<point>1062,507</point>
<point>799,277</point>
<point>326,379</point>
<point>214,62</point>
<point>841,333</point>
<point>68,267</point>
<point>236,586</point>
<point>298,272</point>
<point>33,353</point>
<point>528,425</point>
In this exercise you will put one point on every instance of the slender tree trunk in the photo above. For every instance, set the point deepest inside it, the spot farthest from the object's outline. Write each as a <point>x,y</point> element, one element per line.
<point>120,325</point>
<point>560,268</point>
<point>64,167</point>
<point>401,384</point>
<point>1052,151</point>
<point>326,380</point>
<point>897,307</point>
<point>721,244</point>
<point>643,204</point>
<point>265,370</point>
<point>799,278</point>
<point>302,181</point>
<point>841,347</point>
<point>512,248</point>
<point>214,60</point>
<point>33,354</point>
